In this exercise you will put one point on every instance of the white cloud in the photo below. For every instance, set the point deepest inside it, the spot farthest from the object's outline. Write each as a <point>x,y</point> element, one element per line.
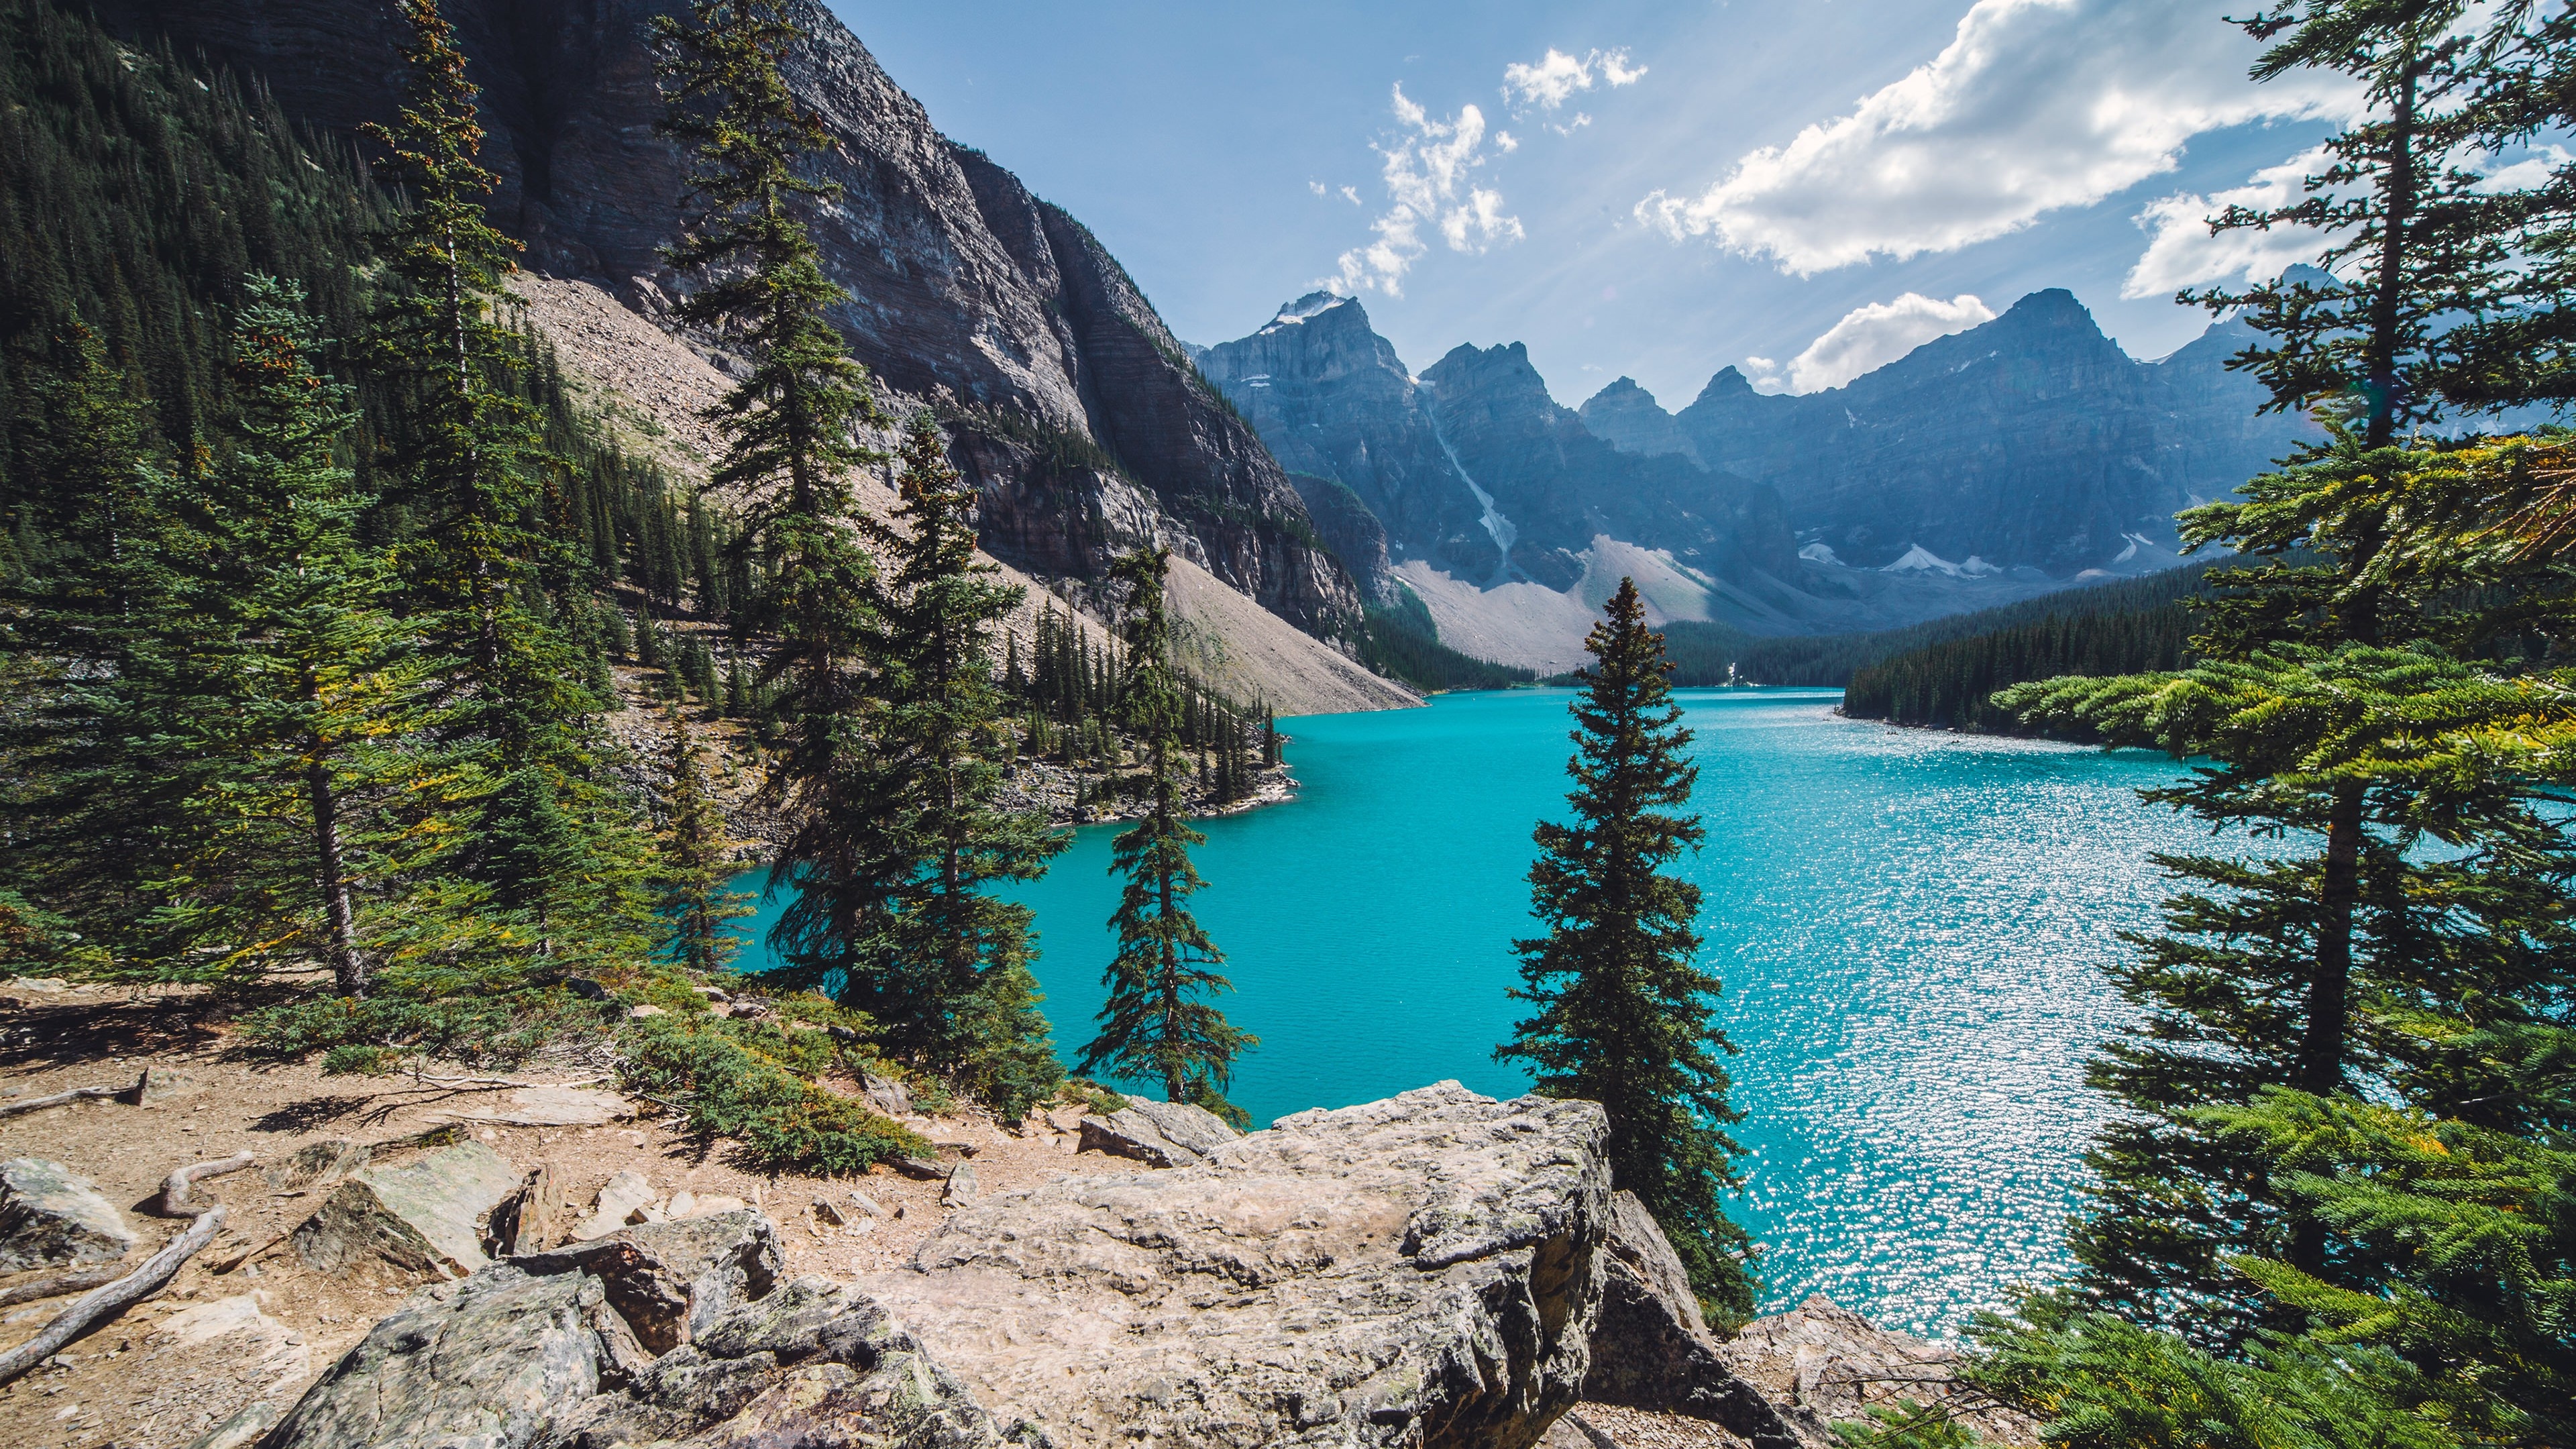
<point>1557,76</point>
<point>2181,252</point>
<point>1871,337</point>
<point>1351,194</point>
<point>1429,181</point>
<point>1316,187</point>
<point>1507,141</point>
<point>2034,105</point>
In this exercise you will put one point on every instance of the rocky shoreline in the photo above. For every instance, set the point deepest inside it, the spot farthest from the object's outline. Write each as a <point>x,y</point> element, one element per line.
<point>1439,1268</point>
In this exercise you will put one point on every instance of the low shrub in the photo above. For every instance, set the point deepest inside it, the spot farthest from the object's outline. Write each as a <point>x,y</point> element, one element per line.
<point>749,1080</point>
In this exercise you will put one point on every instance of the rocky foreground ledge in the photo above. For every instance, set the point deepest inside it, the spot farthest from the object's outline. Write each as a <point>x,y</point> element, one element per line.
<point>1437,1269</point>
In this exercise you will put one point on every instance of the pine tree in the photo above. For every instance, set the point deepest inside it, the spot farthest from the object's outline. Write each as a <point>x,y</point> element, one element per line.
<point>284,613</point>
<point>1156,1023</point>
<point>695,860</point>
<point>473,465</point>
<point>789,429</point>
<point>951,986</point>
<point>1622,1005</point>
<point>92,784</point>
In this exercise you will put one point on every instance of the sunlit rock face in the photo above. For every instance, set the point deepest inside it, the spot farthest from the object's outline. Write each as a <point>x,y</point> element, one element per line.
<point>1089,429</point>
<point>2031,440</point>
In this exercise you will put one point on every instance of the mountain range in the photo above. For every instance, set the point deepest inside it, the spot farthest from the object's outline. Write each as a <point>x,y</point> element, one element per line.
<point>2021,456</point>
<point>1305,472</point>
<point>1066,398</point>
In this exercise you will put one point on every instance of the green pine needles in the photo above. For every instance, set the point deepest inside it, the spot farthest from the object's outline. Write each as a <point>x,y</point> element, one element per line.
<point>1157,1024</point>
<point>1621,1004</point>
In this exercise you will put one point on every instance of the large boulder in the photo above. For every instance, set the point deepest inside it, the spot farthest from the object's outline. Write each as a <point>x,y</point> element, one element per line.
<point>52,1217</point>
<point>511,1359</point>
<point>811,1365</point>
<point>1650,1347</point>
<point>1821,1364</point>
<point>487,1363</point>
<point>1158,1134</point>
<point>669,1281</point>
<point>419,1220</point>
<point>1421,1271</point>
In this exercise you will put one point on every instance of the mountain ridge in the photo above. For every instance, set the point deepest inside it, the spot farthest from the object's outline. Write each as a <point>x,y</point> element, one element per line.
<point>1067,400</point>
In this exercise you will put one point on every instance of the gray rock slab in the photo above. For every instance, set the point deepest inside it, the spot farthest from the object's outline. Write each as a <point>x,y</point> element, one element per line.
<point>1130,1133</point>
<point>1190,1125</point>
<point>811,1365</point>
<point>415,1220</point>
<point>1423,1270</point>
<point>962,1187</point>
<point>52,1217</point>
<point>1821,1364</point>
<point>488,1363</point>
<point>328,1160</point>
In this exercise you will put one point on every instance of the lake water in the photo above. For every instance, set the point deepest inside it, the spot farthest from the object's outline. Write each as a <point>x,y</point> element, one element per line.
<point>1909,926</point>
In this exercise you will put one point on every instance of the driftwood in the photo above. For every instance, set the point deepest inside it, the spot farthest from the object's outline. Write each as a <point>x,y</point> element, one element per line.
<point>133,1094</point>
<point>58,1285</point>
<point>134,1287</point>
<point>172,1201</point>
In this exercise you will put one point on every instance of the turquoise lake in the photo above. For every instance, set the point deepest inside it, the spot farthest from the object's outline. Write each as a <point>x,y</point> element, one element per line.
<point>1909,925</point>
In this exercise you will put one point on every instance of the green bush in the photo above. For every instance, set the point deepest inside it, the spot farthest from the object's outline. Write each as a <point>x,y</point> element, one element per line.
<point>748,1081</point>
<point>378,1034</point>
<point>1091,1094</point>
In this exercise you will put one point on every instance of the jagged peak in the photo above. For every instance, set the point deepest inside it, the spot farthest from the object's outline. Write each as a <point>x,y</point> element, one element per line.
<point>1311,306</point>
<point>1728,383</point>
<point>1621,390</point>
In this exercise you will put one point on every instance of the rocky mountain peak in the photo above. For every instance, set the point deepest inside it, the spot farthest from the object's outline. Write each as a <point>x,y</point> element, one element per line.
<point>1343,311</point>
<point>1629,417</point>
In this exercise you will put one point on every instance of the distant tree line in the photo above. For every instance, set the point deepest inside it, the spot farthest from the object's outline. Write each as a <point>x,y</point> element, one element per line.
<point>1701,652</point>
<point>1952,685</point>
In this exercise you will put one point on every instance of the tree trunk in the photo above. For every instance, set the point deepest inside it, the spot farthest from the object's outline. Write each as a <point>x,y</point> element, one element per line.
<point>2321,1054</point>
<point>340,943</point>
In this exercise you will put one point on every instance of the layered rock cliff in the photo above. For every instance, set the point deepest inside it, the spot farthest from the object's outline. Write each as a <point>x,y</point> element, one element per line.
<point>1068,400</point>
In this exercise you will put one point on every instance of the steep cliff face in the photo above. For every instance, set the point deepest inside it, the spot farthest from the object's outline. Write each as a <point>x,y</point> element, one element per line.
<point>1472,467</point>
<point>1333,400</point>
<point>2031,440</point>
<point>1074,409</point>
<point>1558,487</point>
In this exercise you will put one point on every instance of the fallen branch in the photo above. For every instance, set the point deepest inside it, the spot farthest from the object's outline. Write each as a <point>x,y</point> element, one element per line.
<point>494,1084</point>
<point>173,1199</point>
<point>57,1286</point>
<point>76,1094</point>
<point>134,1287</point>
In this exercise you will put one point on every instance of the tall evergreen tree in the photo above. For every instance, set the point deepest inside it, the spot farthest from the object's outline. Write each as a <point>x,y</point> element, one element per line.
<point>790,434</point>
<point>695,861</point>
<point>282,615</point>
<point>1621,1004</point>
<point>91,784</point>
<point>473,467</point>
<point>1156,1023</point>
<point>951,986</point>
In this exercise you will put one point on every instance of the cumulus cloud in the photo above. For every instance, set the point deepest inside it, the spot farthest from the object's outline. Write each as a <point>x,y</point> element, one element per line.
<point>2181,252</point>
<point>1557,76</point>
<point>2034,105</point>
<point>1429,173</point>
<point>1316,187</point>
<point>1870,337</point>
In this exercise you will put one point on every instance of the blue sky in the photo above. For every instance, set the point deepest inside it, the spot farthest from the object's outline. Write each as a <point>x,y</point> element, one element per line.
<point>1802,190</point>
